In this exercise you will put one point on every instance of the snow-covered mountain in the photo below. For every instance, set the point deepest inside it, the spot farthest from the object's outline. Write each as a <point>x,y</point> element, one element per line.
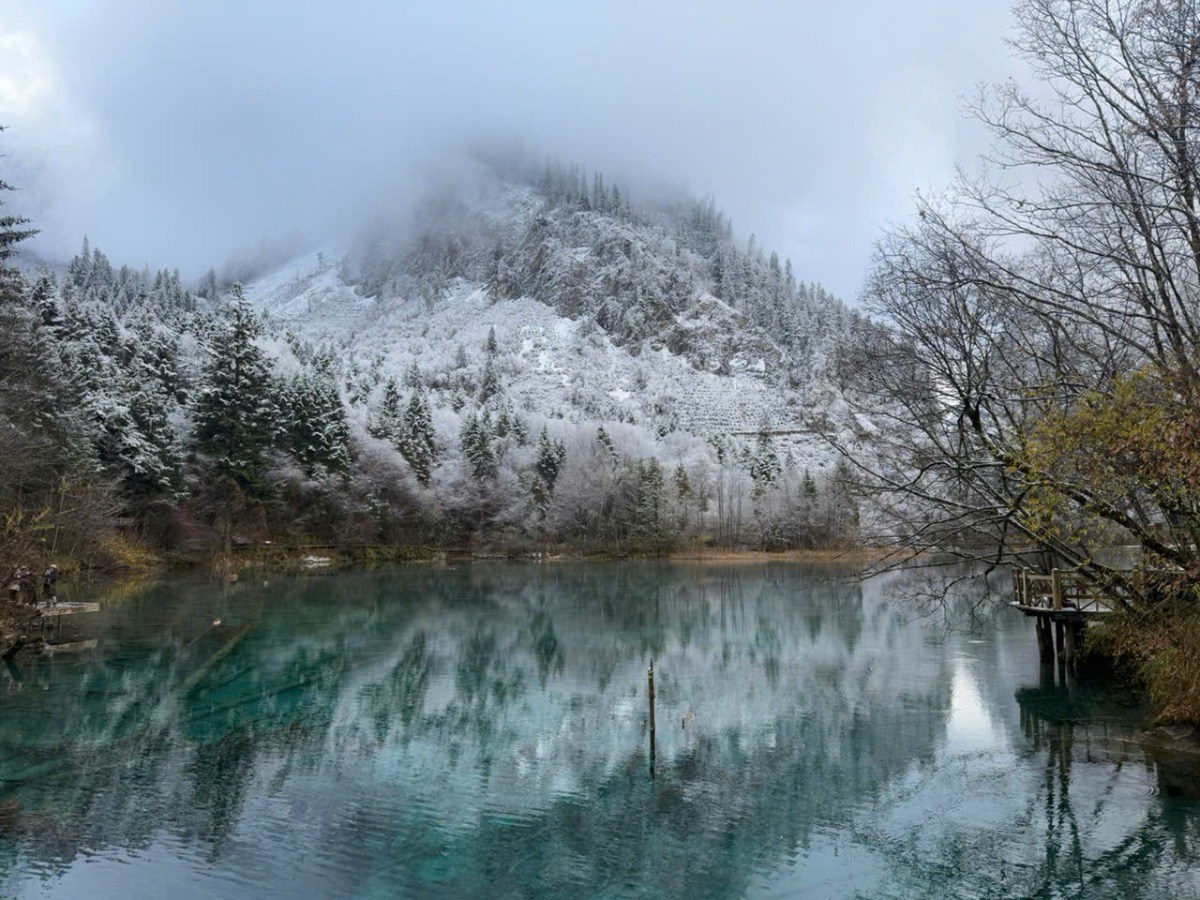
<point>601,312</point>
<point>525,354</point>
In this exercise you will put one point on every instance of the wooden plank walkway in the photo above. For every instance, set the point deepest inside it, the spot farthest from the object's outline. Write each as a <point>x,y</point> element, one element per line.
<point>67,609</point>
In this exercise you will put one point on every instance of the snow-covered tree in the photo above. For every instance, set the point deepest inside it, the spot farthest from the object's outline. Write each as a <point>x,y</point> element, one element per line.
<point>416,441</point>
<point>313,422</point>
<point>235,417</point>
<point>477,447</point>
<point>550,456</point>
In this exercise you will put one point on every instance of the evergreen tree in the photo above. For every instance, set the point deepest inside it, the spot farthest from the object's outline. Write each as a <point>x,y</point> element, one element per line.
<point>386,423</point>
<point>683,484</point>
<point>477,448</point>
<point>603,439</point>
<point>683,494</point>
<point>314,425</point>
<point>417,443</point>
<point>235,416</point>
<point>519,431</point>
<point>651,523</point>
<point>763,462</point>
<point>35,394</point>
<point>489,384</point>
<point>550,458</point>
<point>134,439</point>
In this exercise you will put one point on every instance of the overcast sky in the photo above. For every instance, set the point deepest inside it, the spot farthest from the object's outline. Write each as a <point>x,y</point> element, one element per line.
<point>176,132</point>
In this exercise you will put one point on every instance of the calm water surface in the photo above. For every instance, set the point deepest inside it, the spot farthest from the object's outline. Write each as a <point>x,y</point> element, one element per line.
<point>481,732</point>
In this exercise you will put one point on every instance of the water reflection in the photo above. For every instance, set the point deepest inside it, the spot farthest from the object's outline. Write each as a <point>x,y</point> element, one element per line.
<point>482,731</point>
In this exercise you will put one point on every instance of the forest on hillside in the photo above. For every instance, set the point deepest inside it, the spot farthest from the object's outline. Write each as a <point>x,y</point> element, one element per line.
<point>150,418</point>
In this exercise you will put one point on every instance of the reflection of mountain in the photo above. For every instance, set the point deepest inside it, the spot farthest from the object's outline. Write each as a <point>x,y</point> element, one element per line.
<point>482,730</point>
<point>484,714</point>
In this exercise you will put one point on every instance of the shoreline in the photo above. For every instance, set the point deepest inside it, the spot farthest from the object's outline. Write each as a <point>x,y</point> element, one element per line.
<point>856,556</point>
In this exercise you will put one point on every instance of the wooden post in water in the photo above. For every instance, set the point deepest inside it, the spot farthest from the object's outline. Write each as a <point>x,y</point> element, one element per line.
<point>1045,638</point>
<point>1071,649</point>
<point>650,683</point>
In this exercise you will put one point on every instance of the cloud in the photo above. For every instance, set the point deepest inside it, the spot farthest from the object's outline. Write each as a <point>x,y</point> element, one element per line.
<point>174,133</point>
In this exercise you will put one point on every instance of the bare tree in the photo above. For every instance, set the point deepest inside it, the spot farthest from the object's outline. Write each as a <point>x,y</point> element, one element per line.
<point>1043,315</point>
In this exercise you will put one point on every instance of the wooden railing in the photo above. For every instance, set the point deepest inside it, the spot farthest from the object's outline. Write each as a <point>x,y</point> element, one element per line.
<point>1062,590</point>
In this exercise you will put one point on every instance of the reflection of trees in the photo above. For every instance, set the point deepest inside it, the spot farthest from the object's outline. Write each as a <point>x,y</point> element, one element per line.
<point>1072,817</point>
<point>484,727</point>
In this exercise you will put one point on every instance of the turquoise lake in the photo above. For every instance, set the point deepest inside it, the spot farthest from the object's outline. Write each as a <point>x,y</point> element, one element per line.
<point>481,731</point>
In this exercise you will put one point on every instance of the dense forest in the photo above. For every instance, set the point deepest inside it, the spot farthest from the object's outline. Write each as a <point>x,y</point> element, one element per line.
<point>149,418</point>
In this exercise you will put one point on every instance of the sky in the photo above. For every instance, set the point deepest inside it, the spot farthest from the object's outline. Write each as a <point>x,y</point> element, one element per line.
<point>178,133</point>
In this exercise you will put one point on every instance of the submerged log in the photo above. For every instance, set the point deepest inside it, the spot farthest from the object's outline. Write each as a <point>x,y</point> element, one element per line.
<point>189,684</point>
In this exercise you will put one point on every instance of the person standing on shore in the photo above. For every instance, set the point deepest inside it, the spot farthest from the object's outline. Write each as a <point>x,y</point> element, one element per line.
<point>50,585</point>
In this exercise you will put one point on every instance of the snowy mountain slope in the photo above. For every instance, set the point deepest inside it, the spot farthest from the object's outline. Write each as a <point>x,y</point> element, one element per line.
<point>524,357</point>
<point>554,366</point>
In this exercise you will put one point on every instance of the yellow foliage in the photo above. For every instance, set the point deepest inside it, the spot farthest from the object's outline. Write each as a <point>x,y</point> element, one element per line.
<point>1135,439</point>
<point>125,554</point>
<point>1162,652</point>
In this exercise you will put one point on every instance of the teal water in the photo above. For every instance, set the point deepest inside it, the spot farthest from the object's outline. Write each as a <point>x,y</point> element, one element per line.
<point>481,731</point>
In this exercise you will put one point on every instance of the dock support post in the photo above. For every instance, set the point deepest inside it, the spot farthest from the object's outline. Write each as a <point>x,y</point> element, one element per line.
<point>1061,640</point>
<point>1045,639</point>
<point>650,683</point>
<point>1071,649</point>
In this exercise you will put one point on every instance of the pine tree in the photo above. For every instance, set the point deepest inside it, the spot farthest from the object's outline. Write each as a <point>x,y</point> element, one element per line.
<point>809,486</point>
<point>12,229</point>
<point>489,384</point>
<point>683,494</point>
<point>519,431</point>
<point>313,422</point>
<point>477,448</point>
<point>683,484</point>
<point>490,346</point>
<point>133,437</point>
<point>386,423</point>
<point>235,415</point>
<point>417,442</point>
<point>503,423</point>
<point>650,524</point>
<point>35,395</point>
<point>550,458</point>
<point>603,439</point>
<point>763,461</point>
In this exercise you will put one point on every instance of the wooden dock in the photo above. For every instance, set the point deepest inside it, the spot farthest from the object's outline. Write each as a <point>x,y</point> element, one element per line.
<point>1059,594</point>
<point>67,609</point>
<point>1060,604</point>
